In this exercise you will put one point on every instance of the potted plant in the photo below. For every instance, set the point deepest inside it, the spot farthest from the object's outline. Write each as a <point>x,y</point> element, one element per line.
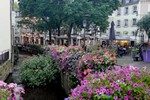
<point>135,53</point>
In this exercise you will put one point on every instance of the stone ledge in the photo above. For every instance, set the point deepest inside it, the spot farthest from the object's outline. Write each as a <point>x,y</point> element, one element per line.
<point>5,70</point>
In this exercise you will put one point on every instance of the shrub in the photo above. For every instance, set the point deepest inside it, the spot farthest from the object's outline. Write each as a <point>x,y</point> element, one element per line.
<point>128,83</point>
<point>32,49</point>
<point>36,49</point>
<point>38,71</point>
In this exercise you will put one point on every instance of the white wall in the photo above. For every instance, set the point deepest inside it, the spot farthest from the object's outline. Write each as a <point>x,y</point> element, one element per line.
<point>5,32</point>
<point>130,28</point>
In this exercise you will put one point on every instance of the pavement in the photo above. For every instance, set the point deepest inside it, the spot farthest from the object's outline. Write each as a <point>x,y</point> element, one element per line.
<point>127,60</point>
<point>15,74</point>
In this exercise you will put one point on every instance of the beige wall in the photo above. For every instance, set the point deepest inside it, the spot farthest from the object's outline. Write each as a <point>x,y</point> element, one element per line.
<point>5,32</point>
<point>144,8</point>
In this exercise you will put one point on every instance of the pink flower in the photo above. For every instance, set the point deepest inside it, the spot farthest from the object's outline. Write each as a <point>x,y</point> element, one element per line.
<point>129,92</point>
<point>1,95</point>
<point>90,91</point>
<point>115,98</point>
<point>135,85</point>
<point>12,85</point>
<point>112,84</point>
<point>126,98</point>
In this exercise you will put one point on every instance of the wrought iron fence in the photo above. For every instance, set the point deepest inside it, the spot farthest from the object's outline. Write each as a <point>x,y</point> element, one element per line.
<point>4,56</point>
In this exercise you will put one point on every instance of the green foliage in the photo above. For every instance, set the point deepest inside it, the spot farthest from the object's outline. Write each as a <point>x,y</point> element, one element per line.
<point>144,23</point>
<point>53,14</point>
<point>16,6</point>
<point>33,49</point>
<point>93,48</point>
<point>16,55</point>
<point>38,71</point>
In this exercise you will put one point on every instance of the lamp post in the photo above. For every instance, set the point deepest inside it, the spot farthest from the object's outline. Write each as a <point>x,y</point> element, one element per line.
<point>142,38</point>
<point>84,26</point>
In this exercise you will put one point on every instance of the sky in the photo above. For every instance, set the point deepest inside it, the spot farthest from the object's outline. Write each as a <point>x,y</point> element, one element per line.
<point>16,0</point>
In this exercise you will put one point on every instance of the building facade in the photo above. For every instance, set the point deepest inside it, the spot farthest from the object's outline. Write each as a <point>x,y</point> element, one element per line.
<point>127,16</point>
<point>5,38</point>
<point>5,30</point>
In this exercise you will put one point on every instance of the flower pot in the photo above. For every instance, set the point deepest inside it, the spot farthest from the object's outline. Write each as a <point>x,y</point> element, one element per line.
<point>135,58</point>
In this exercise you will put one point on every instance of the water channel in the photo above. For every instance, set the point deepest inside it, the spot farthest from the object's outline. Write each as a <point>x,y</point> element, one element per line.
<point>53,91</point>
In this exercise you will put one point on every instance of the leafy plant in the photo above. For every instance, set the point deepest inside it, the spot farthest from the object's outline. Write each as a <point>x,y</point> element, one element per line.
<point>38,71</point>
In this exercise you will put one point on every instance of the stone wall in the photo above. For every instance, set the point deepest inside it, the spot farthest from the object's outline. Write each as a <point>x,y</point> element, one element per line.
<point>5,70</point>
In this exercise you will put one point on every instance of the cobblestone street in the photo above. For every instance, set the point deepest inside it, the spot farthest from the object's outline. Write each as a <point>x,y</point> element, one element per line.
<point>127,60</point>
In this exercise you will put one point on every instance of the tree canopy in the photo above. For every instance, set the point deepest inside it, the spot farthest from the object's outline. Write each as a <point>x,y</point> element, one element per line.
<point>53,14</point>
<point>144,23</point>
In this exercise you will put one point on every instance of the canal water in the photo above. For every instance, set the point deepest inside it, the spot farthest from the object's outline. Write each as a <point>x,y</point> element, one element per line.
<point>52,91</point>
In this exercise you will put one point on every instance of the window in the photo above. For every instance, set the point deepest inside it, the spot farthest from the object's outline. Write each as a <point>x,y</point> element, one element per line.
<point>126,22</point>
<point>126,10</point>
<point>134,9</point>
<point>119,12</point>
<point>118,34</point>
<point>133,33</point>
<point>134,22</point>
<point>118,23</point>
<point>125,33</point>
<point>149,8</point>
<point>127,1</point>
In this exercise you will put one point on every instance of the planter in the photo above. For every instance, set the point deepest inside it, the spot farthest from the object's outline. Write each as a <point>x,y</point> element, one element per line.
<point>65,83</point>
<point>135,58</point>
<point>146,55</point>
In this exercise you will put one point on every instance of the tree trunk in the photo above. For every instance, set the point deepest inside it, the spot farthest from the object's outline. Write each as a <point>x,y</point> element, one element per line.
<point>50,36</point>
<point>69,33</point>
<point>58,34</point>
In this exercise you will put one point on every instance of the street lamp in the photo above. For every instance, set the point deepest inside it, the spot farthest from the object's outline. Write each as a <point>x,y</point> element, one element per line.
<point>84,26</point>
<point>142,38</point>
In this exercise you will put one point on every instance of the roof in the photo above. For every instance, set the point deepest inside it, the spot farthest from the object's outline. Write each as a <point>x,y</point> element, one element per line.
<point>131,2</point>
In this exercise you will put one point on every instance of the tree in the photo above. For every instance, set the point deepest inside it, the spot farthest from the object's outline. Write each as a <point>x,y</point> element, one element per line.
<point>52,14</point>
<point>144,23</point>
<point>47,13</point>
<point>97,11</point>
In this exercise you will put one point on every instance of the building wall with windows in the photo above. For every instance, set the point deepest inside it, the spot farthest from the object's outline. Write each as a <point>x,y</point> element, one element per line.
<point>126,17</point>
<point>5,29</point>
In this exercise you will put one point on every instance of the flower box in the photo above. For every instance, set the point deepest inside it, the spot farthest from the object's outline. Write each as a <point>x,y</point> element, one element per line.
<point>146,55</point>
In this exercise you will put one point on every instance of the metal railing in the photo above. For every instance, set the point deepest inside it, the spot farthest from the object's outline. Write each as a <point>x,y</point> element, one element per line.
<point>4,56</point>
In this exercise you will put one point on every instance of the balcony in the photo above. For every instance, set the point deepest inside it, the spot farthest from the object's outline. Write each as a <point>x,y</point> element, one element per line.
<point>4,56</point>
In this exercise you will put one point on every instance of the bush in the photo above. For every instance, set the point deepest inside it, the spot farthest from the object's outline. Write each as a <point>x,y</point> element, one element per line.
<point>38,71</point>
<point>128,83</point>
<point>32,49</point>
